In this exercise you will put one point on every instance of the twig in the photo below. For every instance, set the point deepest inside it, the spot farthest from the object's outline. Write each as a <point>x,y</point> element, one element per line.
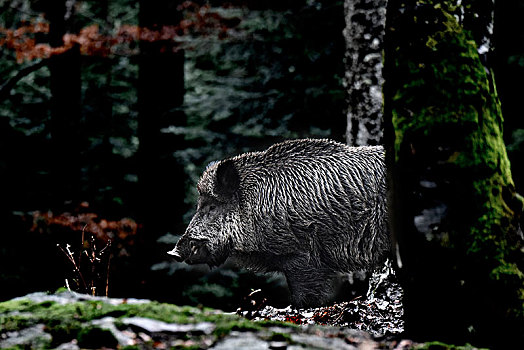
<point>83,231</point>
<point>93,260</point>
<point>103,249</point>
<point>69,255</point>
<point>339,317</point>
<point>93,257</point>
<point>107,274</point>
<point>82,245</point>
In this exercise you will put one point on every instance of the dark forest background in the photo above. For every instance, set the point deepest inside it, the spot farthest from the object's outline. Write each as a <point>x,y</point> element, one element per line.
<point>104,140</point>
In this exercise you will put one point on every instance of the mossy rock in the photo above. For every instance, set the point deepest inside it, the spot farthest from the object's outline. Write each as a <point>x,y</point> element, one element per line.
<point>42,321</point>
<point>94,322</point>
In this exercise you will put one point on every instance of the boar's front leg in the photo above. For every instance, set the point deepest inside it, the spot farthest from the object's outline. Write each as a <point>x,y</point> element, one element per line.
<point>309,285</point>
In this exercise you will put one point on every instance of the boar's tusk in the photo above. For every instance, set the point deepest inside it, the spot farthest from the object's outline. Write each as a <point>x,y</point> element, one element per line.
<point>175,254</point>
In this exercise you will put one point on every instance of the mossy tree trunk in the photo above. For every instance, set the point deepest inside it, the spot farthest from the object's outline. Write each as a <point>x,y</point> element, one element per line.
<point>453,204</point>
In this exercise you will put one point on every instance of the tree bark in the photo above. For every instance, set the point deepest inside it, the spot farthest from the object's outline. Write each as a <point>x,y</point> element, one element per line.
<point>160,93</point>
<point>65,86</point>
<point>364,34</point>
<point>453,204</point>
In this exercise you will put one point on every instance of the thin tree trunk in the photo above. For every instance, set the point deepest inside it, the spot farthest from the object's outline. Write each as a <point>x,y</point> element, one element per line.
<point>364,34</point>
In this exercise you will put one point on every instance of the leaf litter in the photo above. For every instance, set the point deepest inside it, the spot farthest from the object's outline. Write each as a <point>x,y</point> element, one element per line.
<point>379,312</point>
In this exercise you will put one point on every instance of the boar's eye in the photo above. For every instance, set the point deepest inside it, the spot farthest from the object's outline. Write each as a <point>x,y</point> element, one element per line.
<point>212,208</point>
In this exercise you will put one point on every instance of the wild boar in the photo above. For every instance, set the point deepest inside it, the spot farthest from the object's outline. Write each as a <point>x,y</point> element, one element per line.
<point>308,208</point>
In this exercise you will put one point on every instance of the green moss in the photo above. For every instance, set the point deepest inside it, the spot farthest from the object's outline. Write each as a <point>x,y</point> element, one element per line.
<point>279,336</point>
<point>28,312</point>
<point>436,345</point>
<point>69,321</point>
<point>502,271</point>
<point>441,84</point>
<point>23,312</point>
<point>15,304</point>
<point>16,347</point>
<point>224,328</point>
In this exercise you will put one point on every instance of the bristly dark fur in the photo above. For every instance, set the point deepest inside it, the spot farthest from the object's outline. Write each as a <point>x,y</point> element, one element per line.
<point>307,208</point>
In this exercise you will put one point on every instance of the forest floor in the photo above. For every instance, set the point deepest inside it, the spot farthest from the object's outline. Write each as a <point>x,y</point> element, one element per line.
<point>69,321</point>
<point>379,312</point>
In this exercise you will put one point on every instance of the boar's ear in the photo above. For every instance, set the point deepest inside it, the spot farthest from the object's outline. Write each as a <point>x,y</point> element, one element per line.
<point>227,179</point>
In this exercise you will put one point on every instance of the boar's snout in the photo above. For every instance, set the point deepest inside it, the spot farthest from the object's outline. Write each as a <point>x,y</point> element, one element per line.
<point>182,249</point>
<point>190,250</point>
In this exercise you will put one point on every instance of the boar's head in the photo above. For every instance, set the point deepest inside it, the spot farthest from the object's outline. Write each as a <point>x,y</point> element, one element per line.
<point>209,237</point>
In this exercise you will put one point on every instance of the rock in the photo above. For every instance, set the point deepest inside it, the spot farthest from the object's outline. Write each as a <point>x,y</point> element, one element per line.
<point>278,345</point>
<point>124,338</point>
<point>242,341</point>
<point>34,337</point>
<point>317,342</point>
<point>72,345</point>
<point>67,297</point>
<point>154,326</point>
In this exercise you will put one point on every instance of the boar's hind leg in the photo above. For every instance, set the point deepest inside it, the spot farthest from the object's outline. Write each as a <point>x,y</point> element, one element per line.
<point>309,286</point>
